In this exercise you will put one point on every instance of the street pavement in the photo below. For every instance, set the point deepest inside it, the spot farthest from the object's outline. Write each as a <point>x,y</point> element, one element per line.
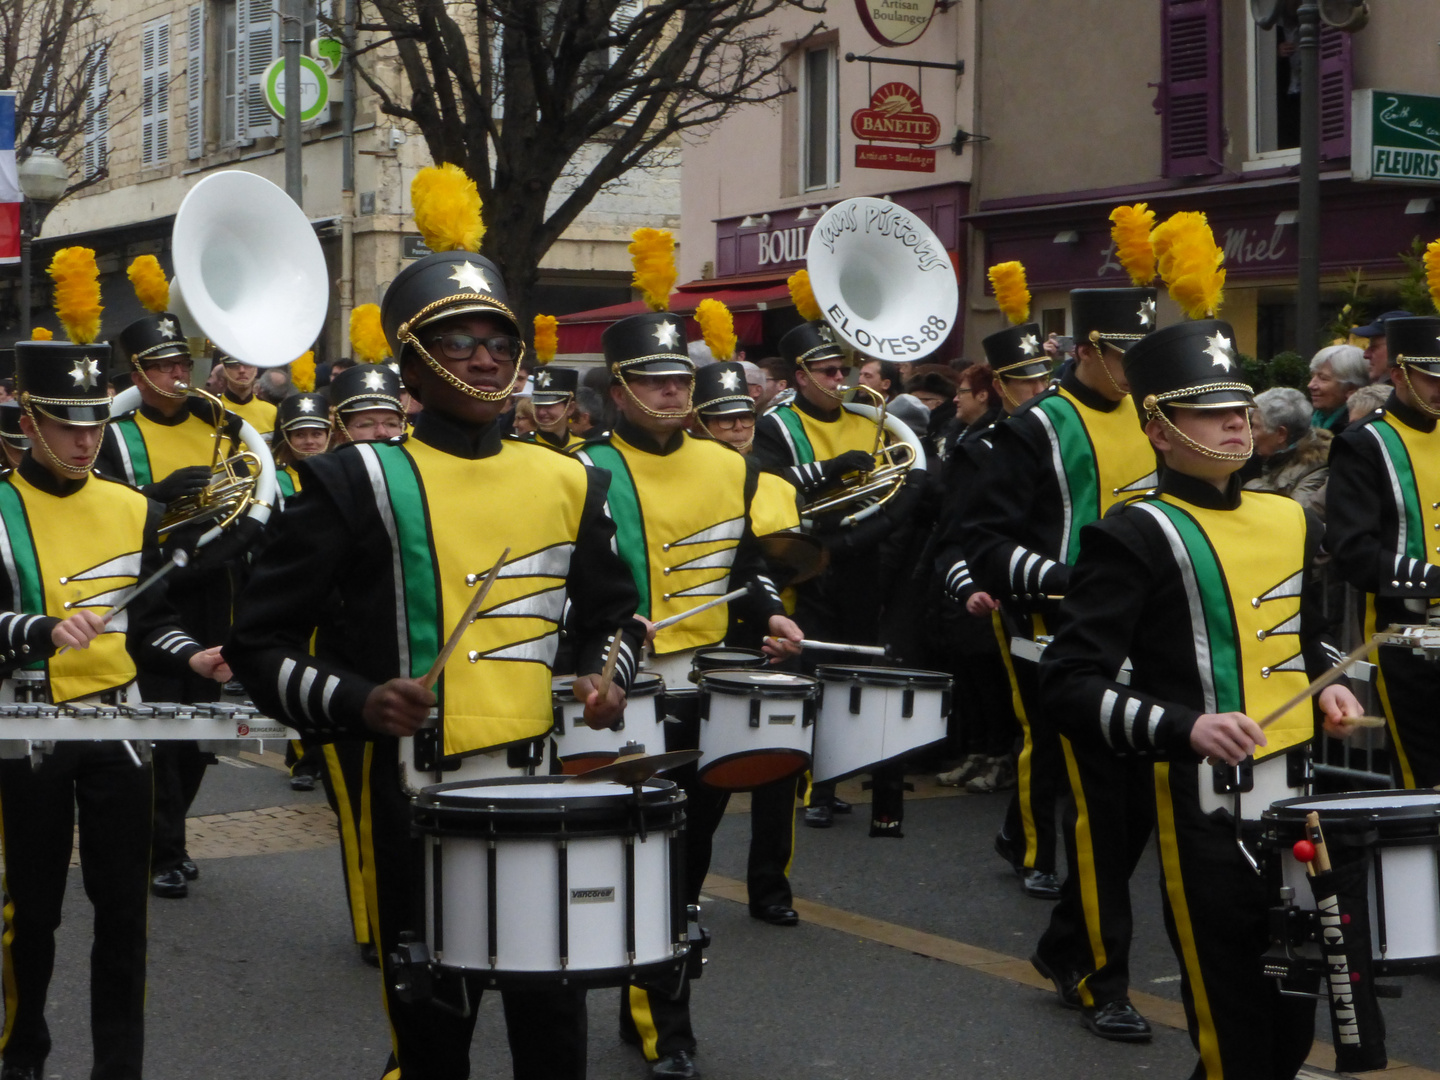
<point>909,961</point>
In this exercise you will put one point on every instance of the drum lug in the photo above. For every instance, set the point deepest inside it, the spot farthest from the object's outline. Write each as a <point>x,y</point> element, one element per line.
<point>855,693</point>
<point>1229,779</point>
<point>428,758</point>
<point>559,715</point>
<point>411,970</point>
<point>907,702</point>
<point>755,712</point>
<point>1297,768</point>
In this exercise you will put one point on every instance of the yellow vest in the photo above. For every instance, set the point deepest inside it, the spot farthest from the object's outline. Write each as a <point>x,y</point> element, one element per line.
<point>178,446</point>
<point>257,412</point>
<point>831,438</point>
<point>773,509</point>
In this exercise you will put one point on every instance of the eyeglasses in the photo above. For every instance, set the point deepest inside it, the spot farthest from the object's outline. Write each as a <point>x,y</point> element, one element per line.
<point>169,367</point>
<point>832,372</point>
<point>741,420</point>
<point>502,347</point>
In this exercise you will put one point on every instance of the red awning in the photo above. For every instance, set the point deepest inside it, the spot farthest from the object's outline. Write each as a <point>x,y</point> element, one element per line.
<point>580,332</point>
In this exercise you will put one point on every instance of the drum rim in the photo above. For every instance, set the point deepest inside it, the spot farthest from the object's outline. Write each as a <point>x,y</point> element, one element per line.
<point>1358,812</point>
<point>654,791</point>
<point>644,684</point>
<point>883,676</point>
<point>807,689</point>
<point>707,651</point>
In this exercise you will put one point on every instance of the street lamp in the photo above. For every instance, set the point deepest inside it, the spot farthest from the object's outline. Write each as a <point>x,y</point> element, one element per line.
<point>43,180</point>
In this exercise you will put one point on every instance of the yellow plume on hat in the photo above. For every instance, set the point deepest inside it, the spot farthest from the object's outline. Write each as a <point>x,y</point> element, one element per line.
<point>652,251</point>
<point>718,327</point>
<point>41,333</point>
<point>1190,263</point>
<point>151,288</point>
<point>803,295</point>
<point>302,371</point>
<point>1008,281</point>
<point>1130,228</point>
<point>1432,271</point>
<point>77,293</point>
<point>447,208</point>
<point>367,339</point>
<point>547,338</point>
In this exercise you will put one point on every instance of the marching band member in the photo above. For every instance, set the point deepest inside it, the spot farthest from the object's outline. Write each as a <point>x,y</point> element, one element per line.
<point>404,531</point>
<point>74,543</point>
<point>12,438</point>
<point>1381,505</point>
<point>554,402</point>
<point>1059,464</point>
<point>239,393</point>
<point>681,507</point>
<point>1219,630</point>
<point>365,404</point>
<point>302,430</point>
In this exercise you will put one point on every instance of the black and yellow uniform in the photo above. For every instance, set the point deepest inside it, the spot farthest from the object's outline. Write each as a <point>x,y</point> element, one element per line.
<point>1382,513</point>
<point>68,545</point>
<point>568,444</point>
<point>254,410</point>
<point>395,529</point>
<point>1211,622</point>
<point>287,481</point>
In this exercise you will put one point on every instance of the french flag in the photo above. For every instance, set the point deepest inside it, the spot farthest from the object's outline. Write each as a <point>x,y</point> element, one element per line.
<point>10,196</point>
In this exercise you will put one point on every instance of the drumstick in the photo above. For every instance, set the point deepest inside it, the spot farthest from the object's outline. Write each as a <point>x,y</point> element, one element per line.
<point>1319,684</point>
<point>608,672</point>
<point>428,679</point>
<point>698,608</point>
<point>180,558</point>
<point>835,646</point>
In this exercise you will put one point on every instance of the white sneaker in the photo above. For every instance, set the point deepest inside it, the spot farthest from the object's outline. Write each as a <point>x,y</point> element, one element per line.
<point>966,770</point>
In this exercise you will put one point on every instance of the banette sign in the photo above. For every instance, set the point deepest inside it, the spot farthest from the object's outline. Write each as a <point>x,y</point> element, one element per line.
<point>895,115</point>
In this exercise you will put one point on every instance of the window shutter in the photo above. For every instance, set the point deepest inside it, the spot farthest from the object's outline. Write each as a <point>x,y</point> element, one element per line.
<point>155,92</point>
<point>256,39</point>
<point>97,115</point>
<point>1190,103</point>
<point>1335,85</point>
<point>195,82</point>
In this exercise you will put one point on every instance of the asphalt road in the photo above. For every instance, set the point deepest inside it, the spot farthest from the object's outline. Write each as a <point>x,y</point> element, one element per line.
<point>254,975</point>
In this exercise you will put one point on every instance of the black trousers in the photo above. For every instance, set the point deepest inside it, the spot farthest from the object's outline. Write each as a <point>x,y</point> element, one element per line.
<point>772,844</point>
<point>1409,687</point>
<point>1106,828</point>
<point>1039,765</point>
<point>38,810</point>
<point>1216,917</point>
<point>546,1027</point>
<point>179,768</point>
<point>343,769</point>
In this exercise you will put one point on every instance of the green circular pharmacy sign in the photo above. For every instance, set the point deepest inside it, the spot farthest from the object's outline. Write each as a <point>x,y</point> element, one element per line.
<point>314,88</point>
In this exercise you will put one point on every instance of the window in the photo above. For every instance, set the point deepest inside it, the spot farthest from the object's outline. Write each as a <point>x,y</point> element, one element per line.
<point>97,114</point>
<point>195,81</point>
<point>155,92</point>
<point>819,119</point>
<point>1275,94</point>
<point>248,37</point>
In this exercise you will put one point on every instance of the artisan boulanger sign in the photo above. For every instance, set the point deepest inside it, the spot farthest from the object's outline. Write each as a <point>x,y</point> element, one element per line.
<point>1395,137</point>
<point>896,22</point>
<point>895,115</point>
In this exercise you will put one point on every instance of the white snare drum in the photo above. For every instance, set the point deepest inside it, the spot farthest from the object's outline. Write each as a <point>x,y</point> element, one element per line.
<point>756,727</point>
<point>422,764</point>
<point>541,879</point>
<point>871,715</point>
<point>1263,783</point>
<point>581,747</point>
<point>1397,833</point>
<point>726,658</point>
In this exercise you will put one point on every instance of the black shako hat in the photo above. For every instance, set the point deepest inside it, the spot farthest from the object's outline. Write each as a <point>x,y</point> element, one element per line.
<point>64,381</point>
<point>651,343</point>
<point>1191,364</point>
<point>153,337</point>
<point>553,385</point>
<point>1118,317</point>
<point>366,386</point>
<point>10,413</point>
<point>303,411</point>
<point>441,286</point>
<point>1017,352</point>
<point>720,390</point>
<point>1414,342</point>
<point>811,342</point>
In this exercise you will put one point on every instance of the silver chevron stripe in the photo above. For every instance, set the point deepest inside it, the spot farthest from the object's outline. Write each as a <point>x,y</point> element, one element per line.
<point>1291,586</point>
<point>724,558</point>
<point>553,562</point>
<point>1289,626</point>
<point>547,604</point>
<point>120,566</point>
<point>726,530</point>
<point>719,587</point>
<point>104,599</point>
<point>539,650</point>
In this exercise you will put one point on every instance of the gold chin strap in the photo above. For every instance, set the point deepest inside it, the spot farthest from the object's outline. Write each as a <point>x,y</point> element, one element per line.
<point>338,435</point>
<point>75,472</point>
<point>1153,411</point>
<point>834,394</point>
<point>174,395</point>
<point>744,448</point>
<point>407,337</point>
<point>1420,402</point>
<point>689,400</point>
<point>1100,356</point>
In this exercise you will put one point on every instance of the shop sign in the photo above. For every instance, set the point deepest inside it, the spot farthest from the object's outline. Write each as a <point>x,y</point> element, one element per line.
<point>895,115</point>
<point>896,22</point>
<point>1395,137</point>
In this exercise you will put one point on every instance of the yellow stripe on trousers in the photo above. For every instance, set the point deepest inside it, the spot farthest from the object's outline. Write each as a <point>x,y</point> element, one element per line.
<point>1085,859</point>
<point>644,1023</point>
<point>1022,762</point>
<point>1180,912</point>
<point>372,895</point>
<point>1407,776</point>
<point>12,993</point>
<point>349,847</point>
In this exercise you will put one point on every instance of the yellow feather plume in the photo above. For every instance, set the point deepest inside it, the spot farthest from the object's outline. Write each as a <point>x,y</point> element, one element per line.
<point>547,338</point>
<point>447,208</point>
<point>41,333</point>
<point>1432,271</point>
<point>367,340</point>
<point>1008,281</point>
<point>302,371</point>
<point>1190,263</point>
<point>652,251</point>
<point>1130,228</point>
<point>151,288</point>
<point>77,293</point>
<point>803,295</point>
<point>718,327</point>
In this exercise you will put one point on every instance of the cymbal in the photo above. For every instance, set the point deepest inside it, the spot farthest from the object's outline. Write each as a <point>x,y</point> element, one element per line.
<point>638,768</point>
<point>799,553</point>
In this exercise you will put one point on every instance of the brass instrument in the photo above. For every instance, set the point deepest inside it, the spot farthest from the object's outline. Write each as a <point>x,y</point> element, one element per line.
<point>868,491</point>
<point>231,490</point>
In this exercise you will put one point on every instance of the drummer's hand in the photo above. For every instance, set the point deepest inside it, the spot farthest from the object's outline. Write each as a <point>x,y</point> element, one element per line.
<point>398,707</point>
<point>1337,705</point>
<point>599,714</point>
<point>981,604</point>
<point>784,640</point>
<point>649,629</point>
<point>1231,736</point>
<point>78,630</point>
<point>209,664</point>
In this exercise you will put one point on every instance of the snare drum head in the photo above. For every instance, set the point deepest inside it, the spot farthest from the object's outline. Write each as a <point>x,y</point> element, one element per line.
<point>727,657</point>
<point>878,675</point>
<point>1397,805</point>
<point>759,684</point>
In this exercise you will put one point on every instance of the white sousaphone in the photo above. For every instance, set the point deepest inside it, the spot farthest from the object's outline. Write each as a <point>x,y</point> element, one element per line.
<point>887,288</point>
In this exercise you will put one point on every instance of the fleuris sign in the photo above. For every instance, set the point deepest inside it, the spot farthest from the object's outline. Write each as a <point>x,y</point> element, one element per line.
<point>896,22</point>
<point>1395,137</point>
<point>895,115</point>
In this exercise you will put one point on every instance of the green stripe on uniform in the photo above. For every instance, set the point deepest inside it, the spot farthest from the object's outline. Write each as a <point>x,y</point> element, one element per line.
<point>1405,476</point>
<point>1082,475</point>
<point>139,455</point>
<point>27,567</point>
<point>285,483</point>
<point>629,522</point>
<point>804,452</point>
<point>417,559</point>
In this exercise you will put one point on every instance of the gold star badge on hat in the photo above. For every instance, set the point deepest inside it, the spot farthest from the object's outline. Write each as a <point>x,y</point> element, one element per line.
<point>542,380</point>
<point>86,373</point>
<point>471,277</point>
<point>1147,312</point>
<point>306,405</point>
<point>374,380</point>
<point>729,380</point>
<point>166,328</point>
<point>1218,348</point>
<point>1030,345</point>
<point>667,335</point>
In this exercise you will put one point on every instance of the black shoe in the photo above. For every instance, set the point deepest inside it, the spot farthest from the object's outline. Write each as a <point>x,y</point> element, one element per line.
<point>886,827</point>
<point>1067,983</point>
<point>1005,848</point>
<point>169,885</point>
<point>840,806</point>
<point>302,781</point>
<point>819,817</point>
<point>21,1072</point>
<point>1039,884</point>
<point>1117,1021</point>
<point>369,954</point>
<point>776,915</point>
<point>188,869</point>
<point>678,1065</point>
